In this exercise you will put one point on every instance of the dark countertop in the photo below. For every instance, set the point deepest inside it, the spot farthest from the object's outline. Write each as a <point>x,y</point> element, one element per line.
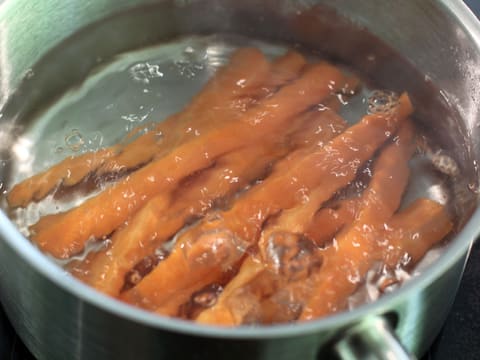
<point>460,337</point>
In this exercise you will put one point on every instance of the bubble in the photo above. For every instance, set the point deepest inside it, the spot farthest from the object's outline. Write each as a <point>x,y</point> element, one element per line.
<point>341,98</point>
<point>188,68</point>
<point>134,118</point>
<point>189,50</point>
<point>74,140</point>
<point>382,101</point>
<point>144,72</point>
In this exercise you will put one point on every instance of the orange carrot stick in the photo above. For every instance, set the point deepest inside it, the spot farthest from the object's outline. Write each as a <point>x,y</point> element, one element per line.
<point>328,221</point>
<point>282,254</point>
<point>240,298</point>
<point>413,231</point>
<point>347,261</point>
<point>64,234</point>
<point>223,240</point>
<point>376,205</point>
<point>328,168</point>
<point>160,218</point>
<point>167,213</point>
<point>284,69</point>
<point>221,90</point>
<point>216,105</point>
<point>68,172</point>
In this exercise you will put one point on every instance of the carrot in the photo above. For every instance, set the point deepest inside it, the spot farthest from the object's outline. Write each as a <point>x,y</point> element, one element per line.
<point>221,90</point>
<point>259,277</point>
<point>413,231</point>
<point>328,168</point>
<point>222,100</point>
<point>328,221</point>
<point>100,215</point>
<point>173,305</point>
<point>348,260</point>
<point>233,231</point>
<point>285,68</point>
<point>179,263</point>
<point>154,223</point>
<point>220,314</point>
<point>68,172</point>
<point>282,253</point>
<point>167,213</point>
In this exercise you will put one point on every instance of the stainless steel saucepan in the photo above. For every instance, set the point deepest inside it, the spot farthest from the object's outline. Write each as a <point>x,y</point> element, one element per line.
<point>430,48</point>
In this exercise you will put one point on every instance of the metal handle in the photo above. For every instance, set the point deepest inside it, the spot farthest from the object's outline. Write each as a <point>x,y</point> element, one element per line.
<point>371,339</point>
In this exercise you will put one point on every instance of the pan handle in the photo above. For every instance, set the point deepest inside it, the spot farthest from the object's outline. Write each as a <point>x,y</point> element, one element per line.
<point>371,339</point>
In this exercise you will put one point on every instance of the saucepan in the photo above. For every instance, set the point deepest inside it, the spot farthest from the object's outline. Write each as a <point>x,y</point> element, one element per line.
<point>430,48</point>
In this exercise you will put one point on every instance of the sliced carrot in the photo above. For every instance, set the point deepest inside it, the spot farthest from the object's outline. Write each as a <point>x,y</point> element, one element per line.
<point>328,168</point>
<point>241,302</point>
<point>161,218</point>
<point>280,246</point>
<point>178,263</point>
<point>352,255</point>
<point>231,232</point>
<point>410,233</point>
<point>165,214</point>
<point>220,314</point>
<point>328,221</point>
<point>235,80</point>
<point>224,98</point>
<point>413,231</point>
<point>285,68</point>
<point>69,172</point>
<point>172,306</point>
<point>64,234</point>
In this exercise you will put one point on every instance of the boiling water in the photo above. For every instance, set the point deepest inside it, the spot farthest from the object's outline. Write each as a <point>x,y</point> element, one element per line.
<point>141,87</point>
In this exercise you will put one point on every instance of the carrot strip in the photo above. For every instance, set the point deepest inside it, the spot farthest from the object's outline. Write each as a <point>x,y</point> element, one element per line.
<point>413,231</point>
<point>173,305</point>
<point>328,221</point>
<point>224,239</point>
<point>68,172</point>
<point>285,68</point>
<point>289,257</point>
<point>222,89</point>
<point>154,223</point>
<point>348,260</point>
<point>257,277</point>
<point>328,168</point>
<point>240,298</point>
<point>167,213</point>
<point>212,108</point>
<point>283,254</point>
<point>100,215</point>
<point>223,99</point>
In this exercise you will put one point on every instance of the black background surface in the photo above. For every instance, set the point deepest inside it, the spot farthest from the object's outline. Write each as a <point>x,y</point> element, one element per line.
<point>459,339</point>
